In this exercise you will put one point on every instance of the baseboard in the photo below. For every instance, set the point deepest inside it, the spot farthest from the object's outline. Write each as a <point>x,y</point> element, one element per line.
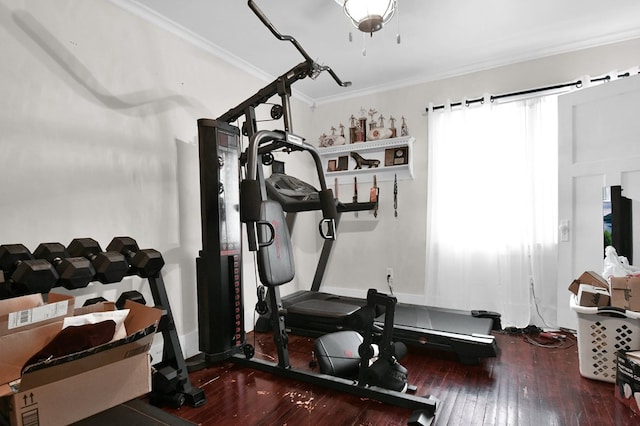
<point>188,343</point>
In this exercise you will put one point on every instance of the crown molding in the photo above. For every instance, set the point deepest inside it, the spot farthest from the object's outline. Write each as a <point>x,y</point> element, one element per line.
<point>151,16</point>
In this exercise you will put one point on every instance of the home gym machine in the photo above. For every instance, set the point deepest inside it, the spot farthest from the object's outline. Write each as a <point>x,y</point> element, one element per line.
<point>313,312</point>
<point>227,202</point>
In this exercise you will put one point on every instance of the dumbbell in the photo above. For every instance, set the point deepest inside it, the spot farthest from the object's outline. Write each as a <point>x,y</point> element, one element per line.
<point>145,263</point>
<point>73,272</point>
<point>110,266</point>
<point>94,300</point>
<point>4,292</point>
<point>26,274</point>
<point>133,295</point>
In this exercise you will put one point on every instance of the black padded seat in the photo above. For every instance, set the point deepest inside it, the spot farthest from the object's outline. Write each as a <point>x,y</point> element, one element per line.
<point>337,353</point>
<point>322,308</point>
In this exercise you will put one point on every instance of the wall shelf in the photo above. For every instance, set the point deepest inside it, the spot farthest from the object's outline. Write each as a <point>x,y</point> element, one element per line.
<point>374,150</point>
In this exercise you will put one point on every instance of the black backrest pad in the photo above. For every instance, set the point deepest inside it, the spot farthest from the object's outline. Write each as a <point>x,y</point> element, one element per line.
<point>275,261</point>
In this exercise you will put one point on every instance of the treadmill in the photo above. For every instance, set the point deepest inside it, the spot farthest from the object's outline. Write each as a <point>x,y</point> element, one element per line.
<point>313,313</point>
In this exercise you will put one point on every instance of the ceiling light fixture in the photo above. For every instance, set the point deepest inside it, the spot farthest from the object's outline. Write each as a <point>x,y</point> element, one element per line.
<point>368,15</point>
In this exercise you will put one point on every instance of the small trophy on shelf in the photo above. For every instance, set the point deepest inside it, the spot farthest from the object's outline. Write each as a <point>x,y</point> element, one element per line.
<point>393,127</point>
<point>362,121</point>
<point>378,131</point>
<point>352,129</point>
<point>372,122</point>
<point>404,131</point>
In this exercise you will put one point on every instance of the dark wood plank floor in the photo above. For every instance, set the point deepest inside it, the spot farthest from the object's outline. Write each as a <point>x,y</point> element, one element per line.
<point>524,385</point>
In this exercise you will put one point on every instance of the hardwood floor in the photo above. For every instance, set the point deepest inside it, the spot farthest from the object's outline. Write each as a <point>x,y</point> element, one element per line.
<point>524,385</point>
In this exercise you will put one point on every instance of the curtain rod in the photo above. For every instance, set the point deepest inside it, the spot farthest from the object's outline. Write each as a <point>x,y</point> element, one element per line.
<point>577,83</point>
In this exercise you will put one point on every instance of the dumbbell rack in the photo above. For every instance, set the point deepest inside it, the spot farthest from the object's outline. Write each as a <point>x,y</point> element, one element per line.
<point>171,373</point>
<point>170,382</point>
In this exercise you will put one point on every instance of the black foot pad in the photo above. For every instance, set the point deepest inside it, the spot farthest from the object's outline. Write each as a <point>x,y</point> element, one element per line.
<point>495,316</point>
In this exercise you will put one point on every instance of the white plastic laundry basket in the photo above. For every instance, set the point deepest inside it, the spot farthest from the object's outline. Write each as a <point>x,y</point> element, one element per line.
<point>601,335</point>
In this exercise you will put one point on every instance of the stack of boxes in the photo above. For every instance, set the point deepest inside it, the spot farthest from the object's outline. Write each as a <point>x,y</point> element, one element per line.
<point>591,290</point>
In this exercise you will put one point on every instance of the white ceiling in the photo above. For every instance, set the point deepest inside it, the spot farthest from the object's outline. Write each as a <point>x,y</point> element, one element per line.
<point>438,38</point>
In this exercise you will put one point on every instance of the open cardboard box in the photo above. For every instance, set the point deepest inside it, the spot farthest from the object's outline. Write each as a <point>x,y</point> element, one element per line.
<point>23,313</point>
<point>588,277</point>
<point>70,388</point>
<point>19,317</point>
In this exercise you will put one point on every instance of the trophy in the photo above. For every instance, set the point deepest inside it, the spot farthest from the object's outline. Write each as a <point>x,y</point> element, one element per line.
<point>393,127</point>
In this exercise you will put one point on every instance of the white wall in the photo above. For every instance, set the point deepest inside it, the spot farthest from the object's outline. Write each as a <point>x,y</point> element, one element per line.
<point>98,113</point>
<point>604,113</point>
<point>366,245</point>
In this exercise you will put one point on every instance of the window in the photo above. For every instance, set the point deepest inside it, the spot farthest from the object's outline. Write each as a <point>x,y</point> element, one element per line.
<point>492,207</point>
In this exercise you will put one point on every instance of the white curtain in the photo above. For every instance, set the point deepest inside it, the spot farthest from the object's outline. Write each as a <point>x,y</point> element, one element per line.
<point>492,209</point>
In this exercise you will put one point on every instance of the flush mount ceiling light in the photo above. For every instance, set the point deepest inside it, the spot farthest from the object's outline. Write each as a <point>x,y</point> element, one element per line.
<point>368,15</point>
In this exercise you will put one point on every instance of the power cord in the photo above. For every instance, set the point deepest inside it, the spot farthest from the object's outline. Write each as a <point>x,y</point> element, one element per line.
<point>535,336</point>
<point>553,340</point>
<point>535,303</point>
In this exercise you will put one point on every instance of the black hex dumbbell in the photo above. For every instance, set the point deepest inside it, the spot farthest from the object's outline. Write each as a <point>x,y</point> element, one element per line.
<point>145,263</point>
<point>26,274</point>
<point>74,272</point>
<point>133,295</point>
<point>110,266</point>
<point>4,291</point>
<point>94,300</point>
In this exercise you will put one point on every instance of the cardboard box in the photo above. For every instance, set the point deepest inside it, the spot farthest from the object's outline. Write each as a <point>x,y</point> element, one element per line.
<point>625,293</point>
<point>23,313</point>
<point>588,277</point>
<point>592,296</point>
<point>70,388</point>
<point>19,316</point>
<point>627,388</point>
